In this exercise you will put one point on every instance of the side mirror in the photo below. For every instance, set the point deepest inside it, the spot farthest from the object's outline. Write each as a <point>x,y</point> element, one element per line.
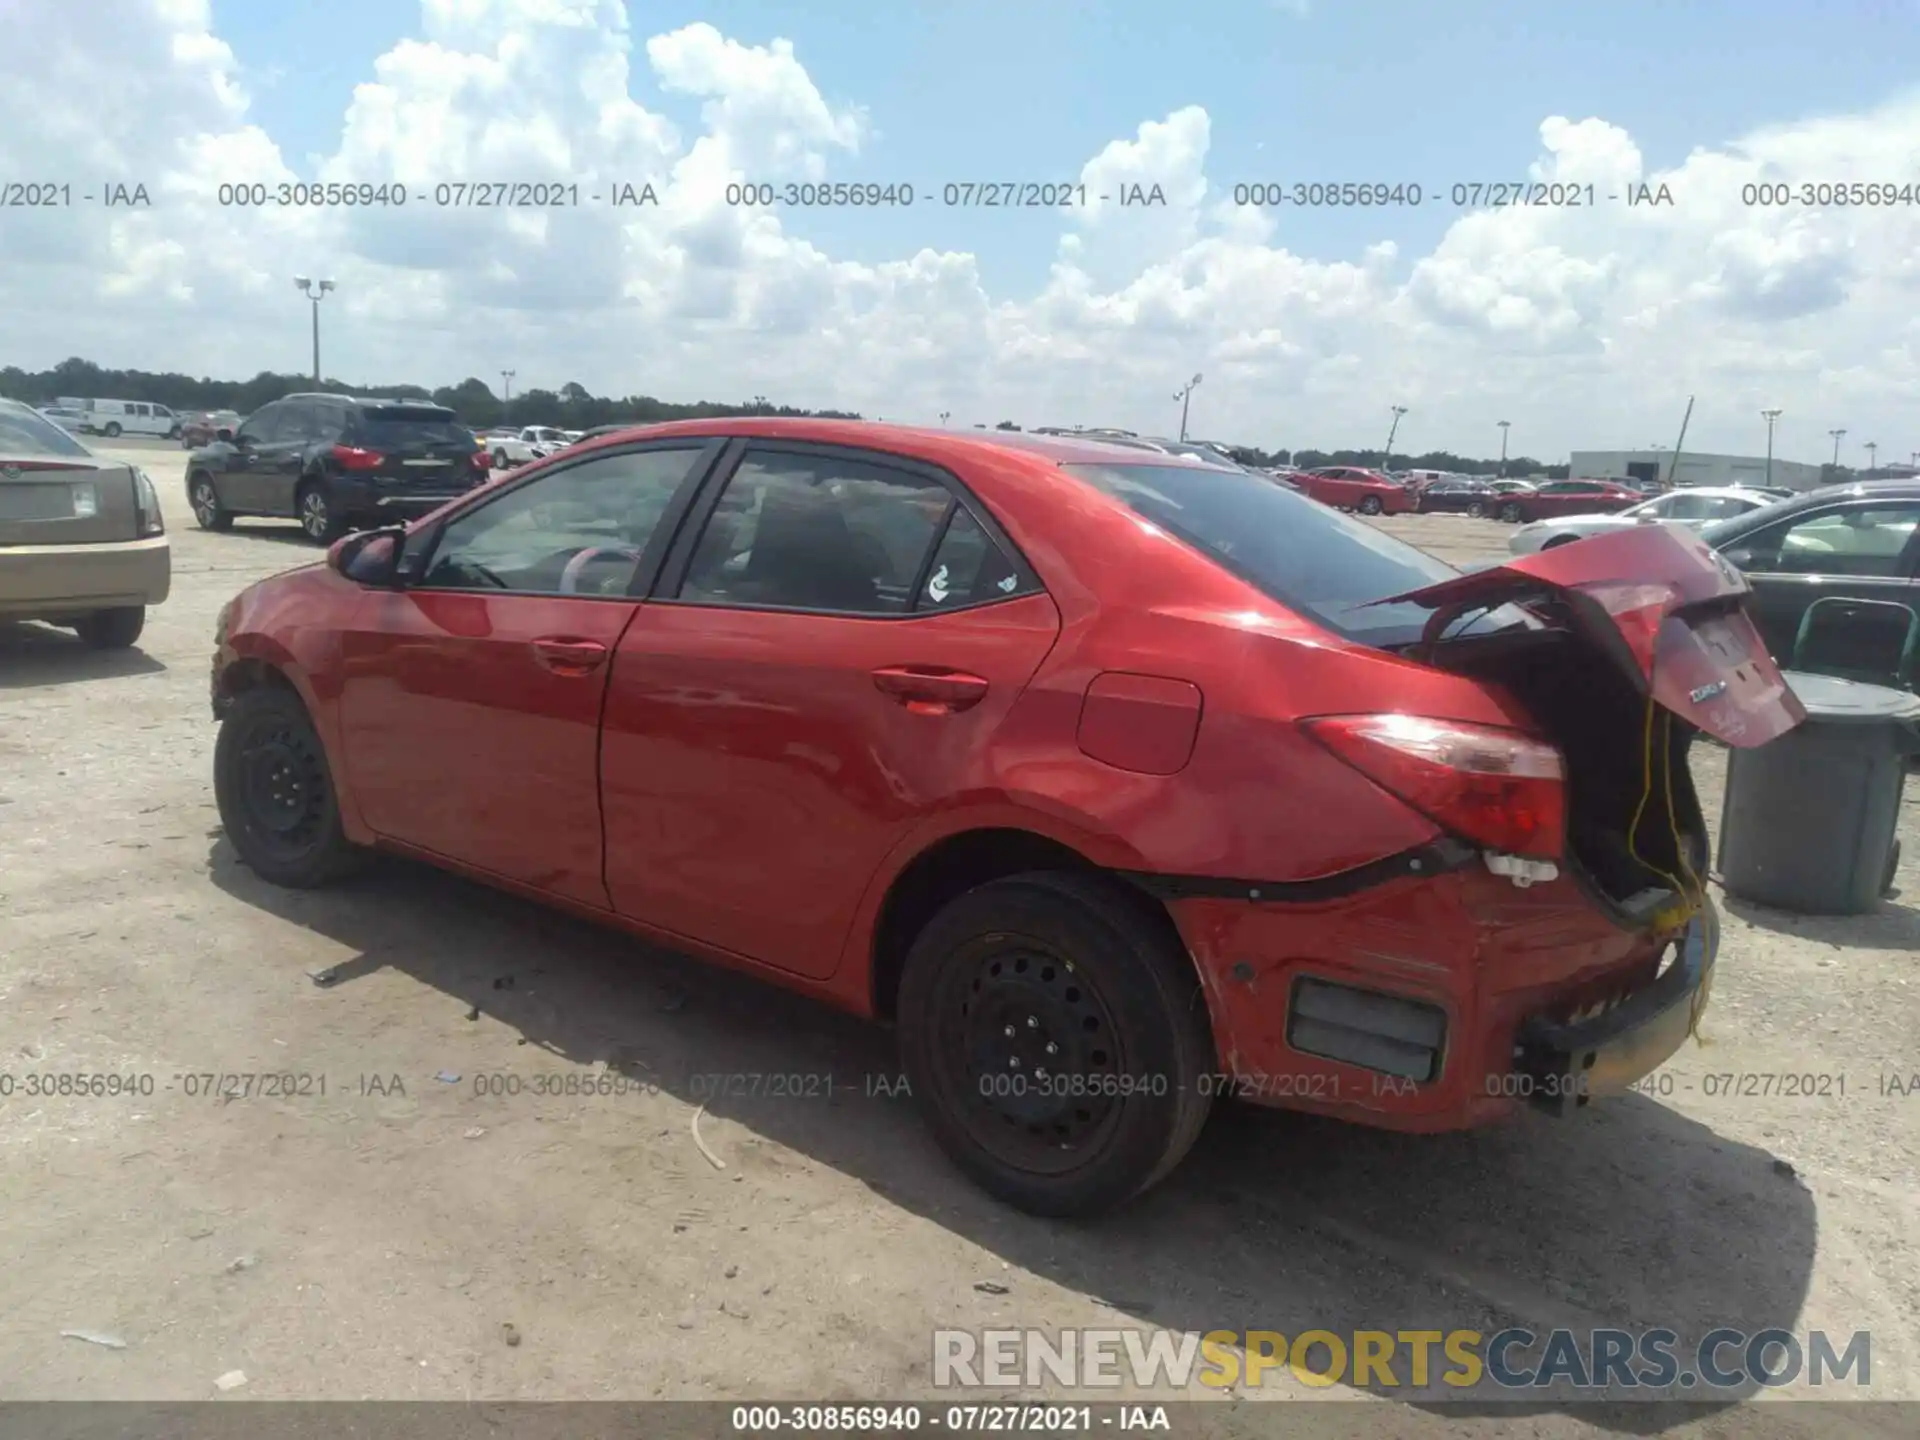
<point>370,558</point>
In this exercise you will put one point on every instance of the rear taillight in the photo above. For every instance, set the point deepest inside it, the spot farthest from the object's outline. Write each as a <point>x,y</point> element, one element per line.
<point>1498,788</point>
<point>146,506</point>
<point>352,457</point>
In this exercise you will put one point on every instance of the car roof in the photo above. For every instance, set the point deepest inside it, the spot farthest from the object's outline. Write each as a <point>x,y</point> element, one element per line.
<point>920,442</point>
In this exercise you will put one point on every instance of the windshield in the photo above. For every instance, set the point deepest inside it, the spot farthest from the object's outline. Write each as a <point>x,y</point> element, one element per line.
<point>26,433</point>
<point>1311,558</point>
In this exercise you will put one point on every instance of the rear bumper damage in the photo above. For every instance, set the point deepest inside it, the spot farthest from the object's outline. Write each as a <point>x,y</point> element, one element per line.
<point>1442,1002</point>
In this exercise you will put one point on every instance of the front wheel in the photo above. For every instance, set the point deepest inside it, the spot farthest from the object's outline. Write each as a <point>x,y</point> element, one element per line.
<point>1055,1030</point>
<point>208,512</point>
<point>1371,505</point>
<point>316,515</point>
<point>1510,513</point>
<point>112,629</point>
<point>499,459</point>
<point>275,792</point>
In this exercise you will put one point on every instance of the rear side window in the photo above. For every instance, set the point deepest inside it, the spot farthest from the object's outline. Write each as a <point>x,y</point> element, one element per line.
<point>817,532</point>
<point>1315,560</point>
<point>969,569</point>
<point>25,434</point>
<point>421,425</point>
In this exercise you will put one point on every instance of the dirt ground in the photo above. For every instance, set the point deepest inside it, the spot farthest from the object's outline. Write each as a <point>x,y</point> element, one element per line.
<point>374,1241</point>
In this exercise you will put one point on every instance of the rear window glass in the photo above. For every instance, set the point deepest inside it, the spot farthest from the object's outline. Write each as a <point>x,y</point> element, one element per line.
<point>1313,559</point>
<point>400,427</point>
<point>25,433</point>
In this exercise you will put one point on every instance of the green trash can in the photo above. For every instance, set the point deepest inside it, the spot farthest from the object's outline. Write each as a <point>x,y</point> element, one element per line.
<point>1810,820</point>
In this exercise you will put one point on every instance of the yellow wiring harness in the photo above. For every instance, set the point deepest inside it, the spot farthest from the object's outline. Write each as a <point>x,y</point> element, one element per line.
<point>1693,888</point>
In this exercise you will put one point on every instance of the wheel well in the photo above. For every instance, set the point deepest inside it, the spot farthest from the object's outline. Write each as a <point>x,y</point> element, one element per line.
<point>949,869</point>
<point>1558,540</point>
<point>250,674</point>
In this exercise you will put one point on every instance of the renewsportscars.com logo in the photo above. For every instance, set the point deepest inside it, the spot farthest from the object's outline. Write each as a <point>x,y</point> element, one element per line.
<point>1465,1360</point>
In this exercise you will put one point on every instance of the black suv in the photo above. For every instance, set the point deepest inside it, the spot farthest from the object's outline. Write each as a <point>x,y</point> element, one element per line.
<point>335,463</point>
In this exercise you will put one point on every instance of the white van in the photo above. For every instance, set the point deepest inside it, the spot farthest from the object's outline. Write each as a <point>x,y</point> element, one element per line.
<point>112,418</point>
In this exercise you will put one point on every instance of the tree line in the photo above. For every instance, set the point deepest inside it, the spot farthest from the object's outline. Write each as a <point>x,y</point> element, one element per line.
<point>574,407</point>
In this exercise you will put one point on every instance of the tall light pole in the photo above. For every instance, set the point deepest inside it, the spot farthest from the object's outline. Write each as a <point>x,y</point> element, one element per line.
<point>1503,448</point>
<point>316,291</point>
<point>1185,395</point>
<point>1836,434</point>
<point>1394,430</point>
<point>1873,456</point>
<point>1770,416</point>
<point>943,416</point>
<point>506,385</point>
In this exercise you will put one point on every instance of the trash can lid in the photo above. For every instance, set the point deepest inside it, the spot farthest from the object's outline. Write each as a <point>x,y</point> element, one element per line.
<point>1834,701</point>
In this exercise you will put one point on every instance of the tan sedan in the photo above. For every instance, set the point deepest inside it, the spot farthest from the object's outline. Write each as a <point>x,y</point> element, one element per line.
<point>82,542</point>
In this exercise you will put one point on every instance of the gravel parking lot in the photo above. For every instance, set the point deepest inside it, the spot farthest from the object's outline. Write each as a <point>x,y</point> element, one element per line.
<point>374,1240</point>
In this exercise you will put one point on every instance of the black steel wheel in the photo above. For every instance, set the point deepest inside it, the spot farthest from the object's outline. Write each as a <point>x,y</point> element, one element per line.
<point>275,791</point>
<point>1055,1031</point>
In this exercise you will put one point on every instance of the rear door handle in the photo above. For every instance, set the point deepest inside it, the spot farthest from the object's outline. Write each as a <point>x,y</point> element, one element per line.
<point>930,690</point>
<point>564,656</point>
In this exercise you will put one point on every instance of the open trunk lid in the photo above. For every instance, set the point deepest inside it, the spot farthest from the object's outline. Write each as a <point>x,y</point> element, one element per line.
<point>1663,605</point>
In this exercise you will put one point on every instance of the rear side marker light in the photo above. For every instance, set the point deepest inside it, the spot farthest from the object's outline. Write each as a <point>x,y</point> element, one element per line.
<point>1383,1033</point>
<point>1498,788</point>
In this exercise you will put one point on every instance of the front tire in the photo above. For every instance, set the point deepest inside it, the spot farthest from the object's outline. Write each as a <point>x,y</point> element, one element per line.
<point>314,510</point>
<point>115,629</point>
<point>204,499</point>
<point>499,459</point>
<point>275,792</point>
<point>1371,505</point>
<point>1510,513</point>
<point>1058,1036</point>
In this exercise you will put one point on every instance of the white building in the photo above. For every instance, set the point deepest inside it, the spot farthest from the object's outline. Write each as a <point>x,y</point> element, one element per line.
<point>1693,469</point>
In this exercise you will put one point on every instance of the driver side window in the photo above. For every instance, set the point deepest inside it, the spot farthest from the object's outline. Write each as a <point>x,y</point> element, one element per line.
<point>263,427</point>
<point>578,531</point>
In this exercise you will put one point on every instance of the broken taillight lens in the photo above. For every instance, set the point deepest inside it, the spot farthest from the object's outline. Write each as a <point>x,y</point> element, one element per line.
<point>1498,788</point>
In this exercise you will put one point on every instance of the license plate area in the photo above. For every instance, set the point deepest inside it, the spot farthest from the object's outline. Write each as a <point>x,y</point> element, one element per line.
<point>1564,1065</point>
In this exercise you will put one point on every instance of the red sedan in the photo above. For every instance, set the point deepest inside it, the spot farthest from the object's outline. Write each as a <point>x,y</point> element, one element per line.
<point>1349,487</point>
<point>1116,782</point>
<point>1567,497</point>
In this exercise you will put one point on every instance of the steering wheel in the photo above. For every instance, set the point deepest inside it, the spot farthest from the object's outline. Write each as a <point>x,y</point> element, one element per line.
<point>576,567</point>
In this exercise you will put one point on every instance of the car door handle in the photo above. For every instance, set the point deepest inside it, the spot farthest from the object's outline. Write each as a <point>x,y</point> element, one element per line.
<point>564,656</point>
<point>928,690</point>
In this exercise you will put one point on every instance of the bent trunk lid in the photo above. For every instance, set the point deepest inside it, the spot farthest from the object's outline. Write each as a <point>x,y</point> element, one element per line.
<point>1665,606</point>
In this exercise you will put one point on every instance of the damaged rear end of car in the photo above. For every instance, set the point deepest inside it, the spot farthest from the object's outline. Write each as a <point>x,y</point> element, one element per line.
<point>1504,901</point>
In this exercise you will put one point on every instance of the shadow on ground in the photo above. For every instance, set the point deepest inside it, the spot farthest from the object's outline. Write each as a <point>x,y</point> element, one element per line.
<point>1893,925</point>
<point>34,655</point>
<point>1632,1216</point>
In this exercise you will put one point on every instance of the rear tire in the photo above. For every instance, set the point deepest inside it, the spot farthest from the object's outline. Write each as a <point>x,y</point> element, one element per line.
<point>275,792</point>
<point>1477,511</point>
<point>314,511</point>
<point>112,431</point>
<point>1510,512</point>
<point>499,459</point>
<point>112,629</point>
<point>204,499</point>
<point>1073,972</point>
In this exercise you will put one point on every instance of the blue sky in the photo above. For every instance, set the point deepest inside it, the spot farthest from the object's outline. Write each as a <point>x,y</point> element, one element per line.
<point>1349,90</point>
